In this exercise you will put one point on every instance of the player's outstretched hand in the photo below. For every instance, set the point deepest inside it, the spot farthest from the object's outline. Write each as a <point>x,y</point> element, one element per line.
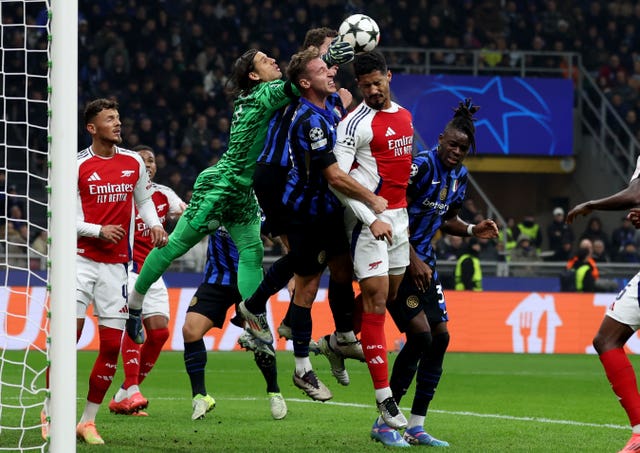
<point>487,229</point>
<point>339,53</point>
<point>634,216</point>
<point>581,209</point>
<point>134,326</point>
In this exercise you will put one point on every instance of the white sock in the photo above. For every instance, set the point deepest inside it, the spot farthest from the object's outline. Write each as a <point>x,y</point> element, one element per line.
<point>635,429</point>
<point>346,337</point>
<point>383,393</point>
<point>120,395</point>
<point>303,364</point>
<point>90,411</point>
<point>131,390</point>
<point>415,420</point>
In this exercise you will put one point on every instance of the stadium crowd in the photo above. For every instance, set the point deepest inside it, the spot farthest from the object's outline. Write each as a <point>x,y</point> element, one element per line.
<point>167,63</point>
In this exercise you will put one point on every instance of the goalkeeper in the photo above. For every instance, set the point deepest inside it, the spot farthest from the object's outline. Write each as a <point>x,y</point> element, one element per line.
<point>223,194</point>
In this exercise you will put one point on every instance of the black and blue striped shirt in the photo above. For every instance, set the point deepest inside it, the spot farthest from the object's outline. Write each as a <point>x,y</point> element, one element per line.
<point>433,190</point>
<point>222,260</point>
<point>312,136</point>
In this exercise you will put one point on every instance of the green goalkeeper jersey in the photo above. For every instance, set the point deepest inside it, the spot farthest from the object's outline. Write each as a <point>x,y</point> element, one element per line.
<point>251,115</point>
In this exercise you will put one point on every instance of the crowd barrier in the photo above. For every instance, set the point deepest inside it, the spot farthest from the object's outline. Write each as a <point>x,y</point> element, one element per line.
<point>510,322</point>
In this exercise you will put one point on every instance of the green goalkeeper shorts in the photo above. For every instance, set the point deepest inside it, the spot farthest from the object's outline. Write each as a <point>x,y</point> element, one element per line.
<point>216,201</point>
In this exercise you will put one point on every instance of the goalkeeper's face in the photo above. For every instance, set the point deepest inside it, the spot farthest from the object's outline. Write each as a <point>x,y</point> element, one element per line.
<point>265,69</point>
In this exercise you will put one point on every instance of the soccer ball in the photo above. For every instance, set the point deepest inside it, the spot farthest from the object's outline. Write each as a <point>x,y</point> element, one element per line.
<point>360,31</point>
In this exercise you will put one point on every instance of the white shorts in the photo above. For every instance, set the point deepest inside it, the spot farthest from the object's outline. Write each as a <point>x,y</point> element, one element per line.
<point>625,308</point>
<point>372,257</point>
<point>156,301</point>
<point>104,284</point>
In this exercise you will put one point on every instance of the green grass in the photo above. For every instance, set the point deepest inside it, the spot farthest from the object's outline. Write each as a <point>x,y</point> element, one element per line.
<point>485,402</point>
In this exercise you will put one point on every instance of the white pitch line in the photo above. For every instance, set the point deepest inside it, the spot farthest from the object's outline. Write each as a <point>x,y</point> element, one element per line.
<point>464,413</point>
<point>436,411</point>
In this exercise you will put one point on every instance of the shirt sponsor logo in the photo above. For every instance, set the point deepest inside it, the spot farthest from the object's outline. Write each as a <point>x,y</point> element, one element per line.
<point>401,146</point>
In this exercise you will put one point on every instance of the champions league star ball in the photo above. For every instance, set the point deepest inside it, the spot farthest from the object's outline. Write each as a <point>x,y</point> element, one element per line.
<point>361,32</point>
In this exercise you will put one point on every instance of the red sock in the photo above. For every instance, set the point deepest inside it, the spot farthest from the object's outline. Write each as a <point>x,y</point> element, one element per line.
<point>374,345</point>
<point>105,366</point>
<point>623,381</point>
<point>151,348</point>
<point>131,361</point>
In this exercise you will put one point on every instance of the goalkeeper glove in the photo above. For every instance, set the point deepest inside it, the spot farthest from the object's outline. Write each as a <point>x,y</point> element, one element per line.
<point>134,326</point>
<point>339,53</point>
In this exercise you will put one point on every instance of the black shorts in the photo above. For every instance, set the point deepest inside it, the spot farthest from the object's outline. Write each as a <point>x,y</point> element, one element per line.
<point>213,301</point>
<point>312,245</point>
<point>269,182</point>
<point>411,301</point>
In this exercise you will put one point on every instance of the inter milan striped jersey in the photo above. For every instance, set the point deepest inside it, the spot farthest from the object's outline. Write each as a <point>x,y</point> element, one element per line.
<point>249,128</point>
<point>222,260</point>
<point>312,137</point>
<point>433,190</point>
<point>276,147</point>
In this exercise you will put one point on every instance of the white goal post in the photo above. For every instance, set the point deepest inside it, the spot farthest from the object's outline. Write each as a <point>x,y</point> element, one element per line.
<point>38,186</point>
<point>63,212</point>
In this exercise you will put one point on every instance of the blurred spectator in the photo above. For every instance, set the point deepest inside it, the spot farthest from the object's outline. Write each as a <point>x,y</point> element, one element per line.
<point>629,253</point>
<point>530,228</point>
<point>18,223</point>
<point>565,253</point>
<point>468,210</point>
<point>524,252</point>
<point>40,243</point>
<point>585,271</point>
<point>488,250</point>
<point>468,272</point>
<point>594,231</point>
<point>449,248</point>
<point>558,232</point>
<point>625,234</point>
<point>600,253</point>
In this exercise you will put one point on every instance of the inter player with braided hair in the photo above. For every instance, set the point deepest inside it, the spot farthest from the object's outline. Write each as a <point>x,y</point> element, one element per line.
<point>435,195</point>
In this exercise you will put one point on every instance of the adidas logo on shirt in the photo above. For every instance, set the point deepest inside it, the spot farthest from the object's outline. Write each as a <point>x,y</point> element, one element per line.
<point>94,177</point>
<point>389,132</point>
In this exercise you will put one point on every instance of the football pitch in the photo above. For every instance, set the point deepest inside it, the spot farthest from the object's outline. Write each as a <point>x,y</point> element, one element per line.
<point>484,403</point>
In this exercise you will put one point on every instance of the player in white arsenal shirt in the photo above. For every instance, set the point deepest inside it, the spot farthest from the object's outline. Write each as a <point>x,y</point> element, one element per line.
<point>110,180</point>
<point>138,360</point>
<point>374,144</point>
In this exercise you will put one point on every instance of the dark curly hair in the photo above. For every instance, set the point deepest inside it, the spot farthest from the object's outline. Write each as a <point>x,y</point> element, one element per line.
<point>463,121</point>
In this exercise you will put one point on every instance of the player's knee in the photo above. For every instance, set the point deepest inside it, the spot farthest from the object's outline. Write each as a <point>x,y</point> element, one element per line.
<point>159,336</point>
<point>440,342</point>
<point>420,341</point>
<point>190,333</point>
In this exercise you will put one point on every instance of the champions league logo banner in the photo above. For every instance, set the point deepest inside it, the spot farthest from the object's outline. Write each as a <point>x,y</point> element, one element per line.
<point>517,116</point>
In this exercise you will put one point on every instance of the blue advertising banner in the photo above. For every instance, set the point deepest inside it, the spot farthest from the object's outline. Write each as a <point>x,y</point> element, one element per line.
<point>517,117</point>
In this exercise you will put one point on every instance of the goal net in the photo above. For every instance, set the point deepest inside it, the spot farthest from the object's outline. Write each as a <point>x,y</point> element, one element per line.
<point>37,263</point>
